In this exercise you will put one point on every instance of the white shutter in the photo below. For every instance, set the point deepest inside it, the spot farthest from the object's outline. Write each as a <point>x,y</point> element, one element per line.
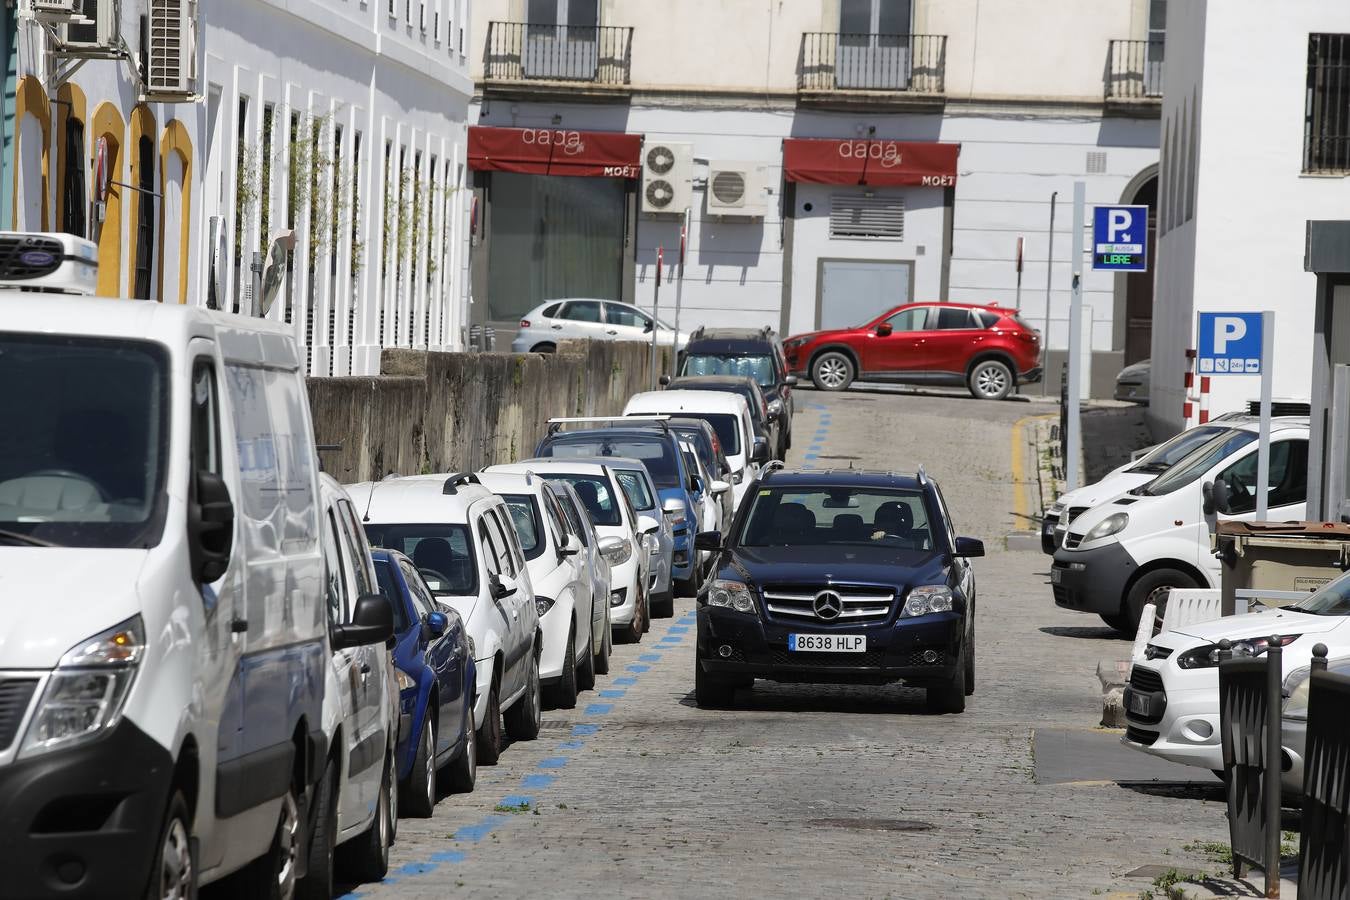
<point>172,67</point>
<point>870,218</point>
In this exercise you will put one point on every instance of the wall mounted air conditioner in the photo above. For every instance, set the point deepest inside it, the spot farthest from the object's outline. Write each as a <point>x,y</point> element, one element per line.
<point>56,10</point>
<point>55,263</point>
<point>94,29</point>
<point>171,58</point>
<point>667,177</point>
<point>736,189</point>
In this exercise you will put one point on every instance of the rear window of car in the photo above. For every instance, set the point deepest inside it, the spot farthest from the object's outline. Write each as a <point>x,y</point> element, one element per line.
<point>986,318</point>
<point>551,311</point>
<point>525,517</point>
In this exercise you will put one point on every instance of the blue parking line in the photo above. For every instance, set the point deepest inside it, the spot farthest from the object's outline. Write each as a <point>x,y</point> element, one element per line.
<point>448,856</point>
<point>639,669</point>
<point>612,695</point>
<point>516,800</point>
<point>580,730</point>
<point>598,709</point>
<point>415,868</point>
<point>553,762</point>
<point>479,831</point>
<point>650,657</point>
<point>627,679</point>
<point>534,782</point>
<point>572,745</point>
<point>811,456</point>
<point>677,629</point>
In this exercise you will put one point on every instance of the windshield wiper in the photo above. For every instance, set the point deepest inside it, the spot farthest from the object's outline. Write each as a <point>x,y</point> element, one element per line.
<point>15,537</point>
<point>1151,467</point>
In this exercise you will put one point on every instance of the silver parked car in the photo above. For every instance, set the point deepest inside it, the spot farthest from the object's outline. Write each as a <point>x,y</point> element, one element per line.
<point>1133,381</point>
<point>603,320</point>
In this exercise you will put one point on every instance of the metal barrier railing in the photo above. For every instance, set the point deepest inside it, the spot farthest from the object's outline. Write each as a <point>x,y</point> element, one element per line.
<point>1249,723</point>
<point>1134,70</point>
<point>830,61</point>
<point>521,51</point>
<point>1324,846</point>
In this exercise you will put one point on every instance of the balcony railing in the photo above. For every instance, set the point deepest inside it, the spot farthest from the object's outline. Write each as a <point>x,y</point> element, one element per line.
<point>521,51</point>
<point>1134,70</point>
<point>872,62</point>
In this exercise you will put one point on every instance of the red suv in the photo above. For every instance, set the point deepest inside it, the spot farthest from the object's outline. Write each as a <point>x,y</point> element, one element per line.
<point>988,349</point>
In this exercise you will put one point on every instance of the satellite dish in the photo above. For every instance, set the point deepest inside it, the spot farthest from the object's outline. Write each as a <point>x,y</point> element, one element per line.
<point>274,271</point>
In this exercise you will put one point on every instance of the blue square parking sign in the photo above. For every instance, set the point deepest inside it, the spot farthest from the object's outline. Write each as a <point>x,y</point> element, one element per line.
<point>1229,344</point>
<point>1120,238</point>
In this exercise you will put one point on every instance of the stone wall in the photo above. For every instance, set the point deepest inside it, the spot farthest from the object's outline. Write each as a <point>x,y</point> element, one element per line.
<point>445,412</point>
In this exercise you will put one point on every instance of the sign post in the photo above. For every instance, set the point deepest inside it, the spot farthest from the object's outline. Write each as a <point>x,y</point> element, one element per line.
<point>1074,423</point>
<point>1242,343</point>
<point>656,307</point>
<point>679,295</point>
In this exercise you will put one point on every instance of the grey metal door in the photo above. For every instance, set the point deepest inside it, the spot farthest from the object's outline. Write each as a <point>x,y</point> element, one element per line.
<point>854,292</point>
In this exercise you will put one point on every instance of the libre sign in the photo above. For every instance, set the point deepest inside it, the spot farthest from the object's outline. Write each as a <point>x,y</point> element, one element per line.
<point>1120,238</point>
<point>1230,343</point>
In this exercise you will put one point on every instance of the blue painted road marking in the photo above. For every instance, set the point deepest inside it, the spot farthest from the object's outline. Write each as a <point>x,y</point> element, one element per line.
<point>536,781</point>
<point>598,709</point>
<point>553,762</point>
<point>580,730</point>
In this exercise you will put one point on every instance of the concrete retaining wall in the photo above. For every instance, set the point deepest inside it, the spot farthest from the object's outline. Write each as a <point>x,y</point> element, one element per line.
<point>441,412</point>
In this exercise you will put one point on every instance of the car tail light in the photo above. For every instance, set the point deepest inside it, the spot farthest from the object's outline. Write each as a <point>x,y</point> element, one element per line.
<point>524,323</point>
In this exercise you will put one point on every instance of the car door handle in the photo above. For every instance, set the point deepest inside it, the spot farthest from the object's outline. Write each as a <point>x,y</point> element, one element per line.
<point>556,327</point>
<point>238,626</point>
<point>611,331</point>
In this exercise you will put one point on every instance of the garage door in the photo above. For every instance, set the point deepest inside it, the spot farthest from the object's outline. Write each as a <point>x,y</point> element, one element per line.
<point>856,291</point>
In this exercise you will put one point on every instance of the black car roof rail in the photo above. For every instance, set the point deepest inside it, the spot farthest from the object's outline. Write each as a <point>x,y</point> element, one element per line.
<point>922,476</point>
<point>456,479</point>
<point>697,333</point>
<point>555,425</point>
<point>772,465</point>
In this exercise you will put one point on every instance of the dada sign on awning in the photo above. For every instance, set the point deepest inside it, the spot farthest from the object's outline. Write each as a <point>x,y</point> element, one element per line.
<point>555,151</point>
<point>879,163</point>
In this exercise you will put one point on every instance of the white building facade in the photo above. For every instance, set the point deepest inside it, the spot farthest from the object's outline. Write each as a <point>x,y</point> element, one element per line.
<point>336,129</point>
<point>882,151</point>
<point>1251,152</point>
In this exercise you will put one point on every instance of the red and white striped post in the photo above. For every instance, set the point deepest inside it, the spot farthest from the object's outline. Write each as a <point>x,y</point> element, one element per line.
<point>1204,399</point>
<point>1188,383</point>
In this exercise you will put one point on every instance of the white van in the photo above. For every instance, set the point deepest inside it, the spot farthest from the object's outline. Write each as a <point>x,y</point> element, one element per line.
<point>1134,548</point>
<point>164,641</point>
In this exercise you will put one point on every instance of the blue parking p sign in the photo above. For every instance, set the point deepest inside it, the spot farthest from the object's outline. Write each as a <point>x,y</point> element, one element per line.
<point>1229,344</point>
<point>1120,238</point>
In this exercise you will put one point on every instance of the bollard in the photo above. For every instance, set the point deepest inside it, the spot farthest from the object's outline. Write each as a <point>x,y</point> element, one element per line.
<point>1225,649</point>
<point>1319,660</point>
<point>1274,755</point>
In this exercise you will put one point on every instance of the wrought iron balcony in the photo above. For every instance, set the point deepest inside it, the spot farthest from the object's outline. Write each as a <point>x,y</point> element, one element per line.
<point>830,61</point>
<point>595,54</point>
<point>1134,70</point>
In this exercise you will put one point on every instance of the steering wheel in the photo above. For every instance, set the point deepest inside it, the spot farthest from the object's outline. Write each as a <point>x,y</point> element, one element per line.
<point>70,476</point>
<point>432,575</point>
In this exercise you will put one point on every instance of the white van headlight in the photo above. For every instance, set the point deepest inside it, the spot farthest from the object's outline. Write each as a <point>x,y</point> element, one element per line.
<point>1112,524</point>
<point>86,691</point>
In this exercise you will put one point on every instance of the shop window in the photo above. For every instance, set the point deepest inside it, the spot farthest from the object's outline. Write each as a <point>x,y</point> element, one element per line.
<point>74,200</point>
<point>1326,128</point>
<point>145,216</point>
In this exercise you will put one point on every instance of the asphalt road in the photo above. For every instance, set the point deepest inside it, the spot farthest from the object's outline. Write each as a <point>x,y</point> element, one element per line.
<point>807,791</point>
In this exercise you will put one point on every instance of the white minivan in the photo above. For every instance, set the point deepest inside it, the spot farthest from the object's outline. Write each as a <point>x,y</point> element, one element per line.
<point>162,684</point>
<point>1135,547</point>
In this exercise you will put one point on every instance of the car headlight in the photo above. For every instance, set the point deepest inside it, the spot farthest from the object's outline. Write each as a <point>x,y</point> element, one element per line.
<point>404,680</point>
<point>1296,690</point>
<point>85,693</point>
<point>1207,657</point>
<point>542,604</point>
<point>731,595</point>
<point>1112,524</point>
<point>621,553</point>
<point>930,598</point>
<point>676,516</point>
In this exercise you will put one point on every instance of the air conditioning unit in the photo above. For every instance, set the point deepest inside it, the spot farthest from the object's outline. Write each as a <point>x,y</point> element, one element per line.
<point>94,29</point>
<point>171,57</point>
<point>667,177</point>
<point>736,189</point>
<point>55,263</point>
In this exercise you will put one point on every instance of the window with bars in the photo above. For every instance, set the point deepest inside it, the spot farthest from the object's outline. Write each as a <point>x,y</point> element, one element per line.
<point>145,217</point>
<point>1326,129</point>
<point>874,218</point>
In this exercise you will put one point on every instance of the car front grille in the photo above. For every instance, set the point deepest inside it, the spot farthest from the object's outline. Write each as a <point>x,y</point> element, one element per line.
<point>1072,540</point>
<point>1146,680</point>
<point>1073,513</point>
<point>14,696</point>
<point>1062,595</point>
<point>781,656</point>
<point>1140,736</point>
<point>917,659</point>
<point>858,605</point>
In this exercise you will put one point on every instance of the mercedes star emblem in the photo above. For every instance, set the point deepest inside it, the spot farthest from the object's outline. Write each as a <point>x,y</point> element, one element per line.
<point>828,605</point>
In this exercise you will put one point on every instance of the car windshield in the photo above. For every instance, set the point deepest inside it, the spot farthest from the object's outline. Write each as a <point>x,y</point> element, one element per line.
<point>1198,463</point>
<point>635,486</point>
<point>596,495</point>
<point>756,366</point>
<point>1330,600</point>
<point>728,428</point>
<point>384,573</point>
<point>830,516</point>
<point>655,452</point>
<point>442,553</point>
<point>525,516</point>
<point>84,445</point>
<point>1170,452</point>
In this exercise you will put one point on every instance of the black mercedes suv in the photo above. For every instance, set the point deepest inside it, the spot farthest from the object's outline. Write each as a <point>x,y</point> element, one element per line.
<point>747,352</point>
<point>839,577</point>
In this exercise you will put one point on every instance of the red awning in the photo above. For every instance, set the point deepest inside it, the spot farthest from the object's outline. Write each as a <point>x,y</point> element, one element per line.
<point>875,162</point>
<point>555,151</point>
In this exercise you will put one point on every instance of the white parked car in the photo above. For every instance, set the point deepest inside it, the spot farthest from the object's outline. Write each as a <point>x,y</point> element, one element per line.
<point>1172,700</point>
<point>602,636</point>
<point>1134,548</point>
<point>642,495</point>
<point>709,495</point>
<point>602,320</point>
<point>729,416</point>
<point>623,540</point>
<point>563,591</point>
<point>462,539</point>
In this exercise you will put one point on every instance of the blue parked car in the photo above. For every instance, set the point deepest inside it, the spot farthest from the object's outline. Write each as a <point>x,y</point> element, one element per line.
<point>433,662</point>
<point>658,447</point>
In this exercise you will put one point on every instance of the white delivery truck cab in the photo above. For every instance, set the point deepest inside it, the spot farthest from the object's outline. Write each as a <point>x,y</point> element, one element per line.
<point>164,640</point>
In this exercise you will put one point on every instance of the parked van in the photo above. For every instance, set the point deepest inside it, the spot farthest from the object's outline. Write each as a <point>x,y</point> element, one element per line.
<point>1134,548</point>
<point>165,646</point>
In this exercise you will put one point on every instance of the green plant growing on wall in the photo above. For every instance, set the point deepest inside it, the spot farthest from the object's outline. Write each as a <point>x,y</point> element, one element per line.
<point>245,196</point>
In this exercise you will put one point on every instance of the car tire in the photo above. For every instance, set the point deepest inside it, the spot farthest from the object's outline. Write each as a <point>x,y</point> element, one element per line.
<point>523,719</point>
<point>949,696</point>
<point>711,692</point>
<point>606,647</point>
<point>490,729</point>
<point>646,602</point>
<point>832,370</point>
<point>586,671</point>
<point>991,379</point>
<point>1151,587</point>
<point>174,873</point>
<point>272,875</point>
<point>1119,622</point>
<point>419,793</point>
<point>462,774</point>
<point>544,347</point>
<point>664,607</point>
<point>367,856</point>
<point>563,695</point>
<point>970,662</point>
<point>633,631</point>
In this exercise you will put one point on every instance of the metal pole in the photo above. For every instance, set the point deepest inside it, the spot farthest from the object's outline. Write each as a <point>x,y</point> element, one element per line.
<point>255,298</point>
<point>1018,301</point>
<point>1075,448</point>
<point>1274,758</point>
<point>656,306</point>
<point>1049,279</point>
<point>1263,447</point>
<point>679,295</point>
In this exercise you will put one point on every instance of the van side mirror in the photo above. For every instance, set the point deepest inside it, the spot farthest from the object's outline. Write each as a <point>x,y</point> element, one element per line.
<point>437,623</point>
<point>210,527</point>
<point>761,452</point>
<point>570,547</point>
<point>664,381</point>
<point>884,329</point>
<point>372,623</point>
<point>969,548</point>
<point>1216,497</point>
<point>503,586</point>
<point>708,540</point>
<point>791,381</point>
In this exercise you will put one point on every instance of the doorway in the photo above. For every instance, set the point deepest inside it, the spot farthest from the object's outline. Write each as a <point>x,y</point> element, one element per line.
<point>855,291</point>
<point>874,52</point>
<point>561,39</point>
<point>1139,285</point>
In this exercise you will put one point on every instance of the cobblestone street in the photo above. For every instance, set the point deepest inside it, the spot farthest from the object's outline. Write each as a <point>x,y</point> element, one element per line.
<point>815,791</point>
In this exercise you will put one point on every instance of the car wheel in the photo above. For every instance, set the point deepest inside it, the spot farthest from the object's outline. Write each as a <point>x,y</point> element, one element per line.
<point>991,380</point>
<point>563,695</point>
<point>949,696</point>
<point>970,662</point>
<point>586,671</point>
<point>272,875</point>
<point>633,631</point>
<point>1152,587</point>
<point>523,719</point>
<point>664,608</point>
<point>490,730</point>
<point>463,772</point>
<point>174,874</point>
<point>544,347</point>
<point>646,602</point>
<point>419,794</point>
<point>711,692</point>
<point>832,371</point>
<point>368,856</point>
<point>606,646</point>
<point>1121,623</point>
